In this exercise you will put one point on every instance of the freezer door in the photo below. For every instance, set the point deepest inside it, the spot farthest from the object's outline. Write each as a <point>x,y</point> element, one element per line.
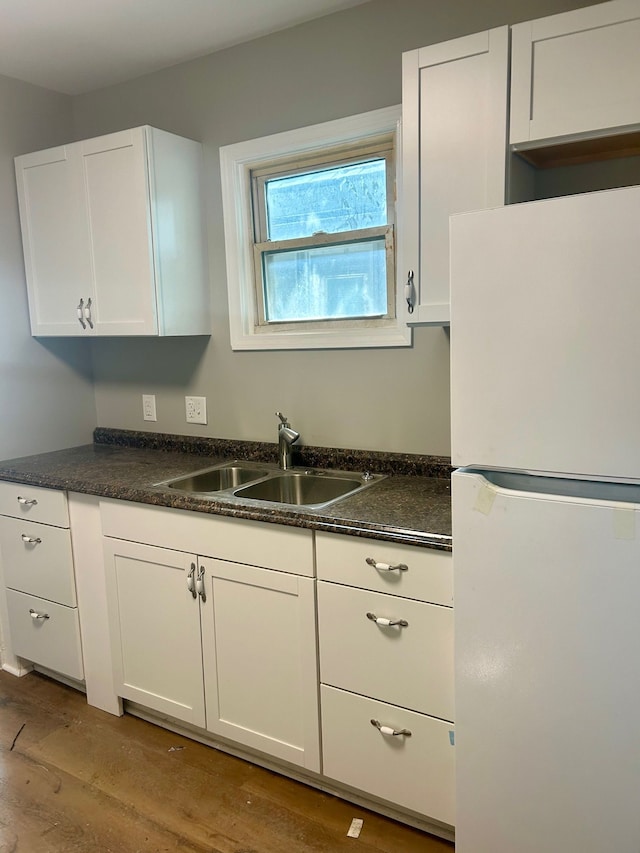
<point>547,592</point>
<point>545,346</point>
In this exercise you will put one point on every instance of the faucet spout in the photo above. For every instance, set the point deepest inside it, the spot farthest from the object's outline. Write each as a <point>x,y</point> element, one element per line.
<point>286,437</point>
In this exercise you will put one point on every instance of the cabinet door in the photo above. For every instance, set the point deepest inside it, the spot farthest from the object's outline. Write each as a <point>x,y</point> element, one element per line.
<point>155,629</point>
<point>576,73</point>
<point>115,174</point>
<point>261,673</point>
<point>55,238</point>
<point>454,119</point>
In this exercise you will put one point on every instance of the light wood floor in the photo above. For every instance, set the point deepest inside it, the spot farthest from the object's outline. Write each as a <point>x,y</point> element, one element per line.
<point>74,779</point>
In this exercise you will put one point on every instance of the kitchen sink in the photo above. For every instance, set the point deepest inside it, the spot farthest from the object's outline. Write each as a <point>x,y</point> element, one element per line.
<point>302,488</point>
<point>218,479</point>
<point>314,488</point>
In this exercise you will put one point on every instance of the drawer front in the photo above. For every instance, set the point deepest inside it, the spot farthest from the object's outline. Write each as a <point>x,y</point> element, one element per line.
<point>36,558</point>
<point>343,559</point>
<point>415,772</point>
<point>269,546</point>
<point>53,642</point>
<point>34,503</point>
<point>408,665</point>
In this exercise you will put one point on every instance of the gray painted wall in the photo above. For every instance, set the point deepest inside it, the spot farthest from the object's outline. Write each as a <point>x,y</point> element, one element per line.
<point>46,393</point>
<point>346,63</point>
<point>343,64</point>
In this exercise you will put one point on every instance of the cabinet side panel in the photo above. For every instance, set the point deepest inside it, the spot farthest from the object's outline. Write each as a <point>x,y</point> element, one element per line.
<point>179,237</point>
<point>86,542</point>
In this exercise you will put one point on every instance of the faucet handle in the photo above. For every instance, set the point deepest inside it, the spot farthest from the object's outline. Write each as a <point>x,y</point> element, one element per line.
<point>282,418</point>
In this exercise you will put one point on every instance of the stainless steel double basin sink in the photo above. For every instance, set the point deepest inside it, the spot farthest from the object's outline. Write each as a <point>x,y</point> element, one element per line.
<point>314,488</point>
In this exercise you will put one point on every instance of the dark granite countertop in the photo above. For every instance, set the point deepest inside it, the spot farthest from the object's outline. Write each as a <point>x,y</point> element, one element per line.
<point>412,505</point>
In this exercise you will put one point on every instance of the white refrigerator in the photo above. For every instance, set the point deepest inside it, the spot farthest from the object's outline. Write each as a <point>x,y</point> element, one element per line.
<point>545,372</point>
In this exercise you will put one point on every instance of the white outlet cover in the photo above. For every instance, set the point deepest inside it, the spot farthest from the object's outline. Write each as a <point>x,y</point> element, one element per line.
<point>196,410</point>
<point>149,407</point>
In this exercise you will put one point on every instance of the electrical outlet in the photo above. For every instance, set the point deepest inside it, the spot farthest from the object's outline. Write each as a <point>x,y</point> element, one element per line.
<point>196,410</point>
<point>149,407</point>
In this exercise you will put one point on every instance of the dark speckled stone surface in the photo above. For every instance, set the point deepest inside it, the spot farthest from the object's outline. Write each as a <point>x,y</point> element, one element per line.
<point>411,505</point>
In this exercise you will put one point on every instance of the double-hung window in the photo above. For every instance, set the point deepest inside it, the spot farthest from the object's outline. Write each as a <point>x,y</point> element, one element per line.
<point>310,236</point>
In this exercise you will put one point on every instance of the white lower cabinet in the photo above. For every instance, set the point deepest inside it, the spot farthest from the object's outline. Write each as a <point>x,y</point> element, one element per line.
<point>385,626</point>
<point>225,646</point>
<point>38,601</point>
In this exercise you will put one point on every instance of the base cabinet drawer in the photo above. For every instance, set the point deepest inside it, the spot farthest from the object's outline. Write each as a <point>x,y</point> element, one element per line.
<point>34,503</point>
<point>408,662</point>
<point>37,559</point>
<point>414,771</point>
<point>45,633</point>
<point>421,573</point>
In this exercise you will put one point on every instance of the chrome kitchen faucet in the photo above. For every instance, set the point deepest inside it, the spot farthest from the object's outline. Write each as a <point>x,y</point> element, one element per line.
<point>286,437</point>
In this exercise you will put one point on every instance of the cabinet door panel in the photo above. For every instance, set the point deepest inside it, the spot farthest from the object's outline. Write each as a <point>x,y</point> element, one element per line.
<point>576,73</point>
<point>55,239</point>
<point>155,629</point>
<point>454,114</point>
<point>260,660</point>
<point>115,175</point>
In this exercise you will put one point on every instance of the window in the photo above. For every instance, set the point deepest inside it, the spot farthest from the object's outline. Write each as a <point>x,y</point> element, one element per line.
<point>310,236</point>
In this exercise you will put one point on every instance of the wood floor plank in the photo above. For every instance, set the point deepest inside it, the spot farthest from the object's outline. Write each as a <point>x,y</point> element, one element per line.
<point>74,779</point>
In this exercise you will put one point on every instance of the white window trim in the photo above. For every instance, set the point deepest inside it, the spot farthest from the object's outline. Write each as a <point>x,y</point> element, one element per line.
<point>236,162</point>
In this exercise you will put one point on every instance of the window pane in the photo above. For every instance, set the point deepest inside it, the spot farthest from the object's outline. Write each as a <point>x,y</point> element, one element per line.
<point>324,283</point>
<point>342,198</point>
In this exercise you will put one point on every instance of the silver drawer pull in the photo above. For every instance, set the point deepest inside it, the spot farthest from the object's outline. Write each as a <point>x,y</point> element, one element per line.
<point>87,313</point>
<point>36,615</point>
<point>31,540</point>
<point>388,623</point>
<point>200,585</point>
<point>387,730</point>
<point>191,581</point>
<point>27,501</point>
<point>386,567</point>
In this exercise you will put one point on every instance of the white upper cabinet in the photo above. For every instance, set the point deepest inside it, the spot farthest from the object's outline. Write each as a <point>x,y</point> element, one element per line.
<point>454,138</point>
<point>576,74</point>
<point>113,236</point>
<point>55,237</point>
